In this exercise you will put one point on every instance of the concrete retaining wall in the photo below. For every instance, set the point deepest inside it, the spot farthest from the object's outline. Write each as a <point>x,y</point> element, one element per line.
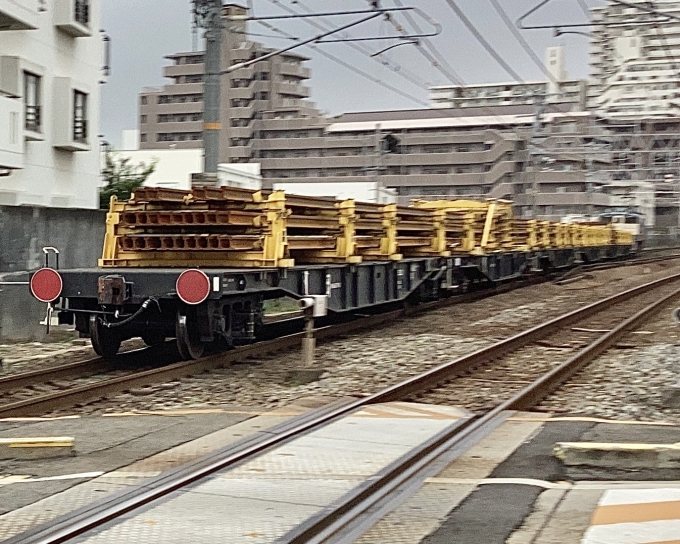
<point>24,231</point>
<point>20,313</point>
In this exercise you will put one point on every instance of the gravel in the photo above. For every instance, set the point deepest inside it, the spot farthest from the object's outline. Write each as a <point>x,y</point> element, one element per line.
<point>363,364</point>
<point>631,384</point>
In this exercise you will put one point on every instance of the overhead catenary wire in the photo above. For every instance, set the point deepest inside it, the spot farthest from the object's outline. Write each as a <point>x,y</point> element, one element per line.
<point>406,74</point>
<point>442,112</point>
<point>348,66</point>
<point>525,45</point>
<point>584,7</point>
<point>487,46</point>
<point>518,36</point>
<point>436,52</point>
<point>439,62</point>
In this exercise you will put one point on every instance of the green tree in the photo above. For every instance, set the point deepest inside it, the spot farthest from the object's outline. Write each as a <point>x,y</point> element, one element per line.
<point>122,177</point>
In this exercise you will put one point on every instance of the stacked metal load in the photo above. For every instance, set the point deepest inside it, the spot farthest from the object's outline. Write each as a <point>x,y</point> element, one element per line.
<point>525,234</point>
<point>468,226</point>
<point>229,227</point>
<point>202,227</point>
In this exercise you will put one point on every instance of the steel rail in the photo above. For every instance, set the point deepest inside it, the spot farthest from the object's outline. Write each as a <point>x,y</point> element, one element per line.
<point>94,391</point>
<point>96,364</point>
<point>72,525</point>
<point>346,521</point>
<point>440,374</point>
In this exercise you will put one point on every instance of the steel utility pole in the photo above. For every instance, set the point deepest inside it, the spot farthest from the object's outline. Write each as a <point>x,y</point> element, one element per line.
<point>208,16</point>
<point>539,104</point>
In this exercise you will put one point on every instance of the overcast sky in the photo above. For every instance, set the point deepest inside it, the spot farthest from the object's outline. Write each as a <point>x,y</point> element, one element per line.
<point>143,32</point>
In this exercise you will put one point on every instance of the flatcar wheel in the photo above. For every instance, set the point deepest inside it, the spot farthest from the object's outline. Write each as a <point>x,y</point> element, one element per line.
<point>189,342</point>
<point>105,342</point>
<point>153,338</point>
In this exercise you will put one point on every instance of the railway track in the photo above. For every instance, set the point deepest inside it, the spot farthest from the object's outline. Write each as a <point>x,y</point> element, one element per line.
<point>48,390</point>
<point>361,508</point>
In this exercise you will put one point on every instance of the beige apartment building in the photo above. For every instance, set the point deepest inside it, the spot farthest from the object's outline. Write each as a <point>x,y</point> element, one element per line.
<point>172,116</point>
<point>448,153</point>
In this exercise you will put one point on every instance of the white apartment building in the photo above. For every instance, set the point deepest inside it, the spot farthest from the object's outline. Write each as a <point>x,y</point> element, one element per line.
<point>51,57</point>
<point>635,60</point>
<point>557,89</point>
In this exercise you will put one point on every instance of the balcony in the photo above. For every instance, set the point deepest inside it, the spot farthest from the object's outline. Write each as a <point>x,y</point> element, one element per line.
<point>294,69</point>
<point>176,70</point>
<point>293,90</point>
<point>70,132</point>
<point>18,14</point>
<point>73,17</point>
<point>11,141</point>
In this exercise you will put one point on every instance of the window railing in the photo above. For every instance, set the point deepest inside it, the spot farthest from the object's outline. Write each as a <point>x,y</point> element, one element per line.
<point>80,130</point>
<point>33,118</point>
<point>82,14</point>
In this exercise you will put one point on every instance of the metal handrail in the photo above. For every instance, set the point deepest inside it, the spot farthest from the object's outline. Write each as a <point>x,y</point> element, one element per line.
<point>33,118</point>
<point>82,12</point>
<point>80,130</point>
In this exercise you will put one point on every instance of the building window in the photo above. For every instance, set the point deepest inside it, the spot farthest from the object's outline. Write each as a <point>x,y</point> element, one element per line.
<point>143,138</point>
<point>79,116</point>
<point>178,136</point>
<point>82,9</point>
<point>144,100</point>
<point>32,84</point>
<point>143,119</point>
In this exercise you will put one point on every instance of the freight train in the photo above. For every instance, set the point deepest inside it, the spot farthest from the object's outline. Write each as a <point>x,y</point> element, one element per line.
<point>199,265</point>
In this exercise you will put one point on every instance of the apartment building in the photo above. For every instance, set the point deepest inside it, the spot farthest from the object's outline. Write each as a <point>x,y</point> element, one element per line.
<point>172,116</point>
<point>475,142</point>
<point>455,153</point>
<point>634,61</point>
<point>50,72</point>
<point>635,92</point>
<point>557,89</point>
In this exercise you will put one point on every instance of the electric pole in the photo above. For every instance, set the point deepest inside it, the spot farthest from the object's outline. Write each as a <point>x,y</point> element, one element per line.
<point>208,16</point>
<point>539,104</point>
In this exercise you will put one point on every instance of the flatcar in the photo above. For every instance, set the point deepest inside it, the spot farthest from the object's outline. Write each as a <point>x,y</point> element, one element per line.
<point>199,265</point>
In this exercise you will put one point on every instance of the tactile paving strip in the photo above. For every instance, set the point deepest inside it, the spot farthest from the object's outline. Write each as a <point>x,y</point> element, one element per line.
<point>23,519</point>
<point>419,516</point>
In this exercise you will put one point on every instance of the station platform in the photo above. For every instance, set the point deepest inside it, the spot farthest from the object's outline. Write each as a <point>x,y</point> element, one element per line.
<point>507,488</point>
<point>260,500</point>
